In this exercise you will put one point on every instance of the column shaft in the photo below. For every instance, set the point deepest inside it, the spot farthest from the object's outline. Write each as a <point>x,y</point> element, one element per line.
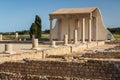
<point>35,44</point>
<point>53,44</point>
<point>66,39</point>
<point>83,30</point>
<point>16,36</point>
<point>50,30</point>
<point>96,29</point>
<point>75,37</point>
<point>69,38</point>
<point>90,24</point>
<point>8,47</point>
<point>59,29</point>
<point>33,37</point>
<point>0,37</point>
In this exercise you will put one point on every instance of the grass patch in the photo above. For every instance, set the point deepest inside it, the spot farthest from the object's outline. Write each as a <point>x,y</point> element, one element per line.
<point>45,36</point>
<point>13,36</point>
<point>116,36</point>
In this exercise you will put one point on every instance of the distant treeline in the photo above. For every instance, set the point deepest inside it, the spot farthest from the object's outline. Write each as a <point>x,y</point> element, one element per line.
<point>23,32</point>
<point>114,30</point>
<point>47,31</point>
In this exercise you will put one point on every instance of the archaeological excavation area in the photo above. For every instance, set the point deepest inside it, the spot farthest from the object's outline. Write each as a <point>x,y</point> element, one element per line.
<point>98,60</point>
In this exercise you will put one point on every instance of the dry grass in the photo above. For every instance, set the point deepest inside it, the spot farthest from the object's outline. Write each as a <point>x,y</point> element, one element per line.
<point>117,36</point>
<point>23,36</point>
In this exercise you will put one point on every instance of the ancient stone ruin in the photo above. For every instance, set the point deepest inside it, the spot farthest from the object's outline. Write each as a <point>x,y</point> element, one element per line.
<point>76,50</point>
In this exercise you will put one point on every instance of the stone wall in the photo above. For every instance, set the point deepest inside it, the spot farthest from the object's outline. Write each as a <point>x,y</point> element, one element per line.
<point>91,69</point>
<point>104,55</point>
<point>74,48</point>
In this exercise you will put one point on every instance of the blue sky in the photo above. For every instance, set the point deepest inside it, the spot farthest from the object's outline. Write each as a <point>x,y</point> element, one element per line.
<point>16,15</point>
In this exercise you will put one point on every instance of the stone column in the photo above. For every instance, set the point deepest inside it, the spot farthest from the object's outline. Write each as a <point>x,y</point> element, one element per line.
<point>16,36</point>
<point>50,30</point>
<point>0,37</point>
<point>66,40</point>
<point>53,44</point>
<point>96,28</point>
<point>69,38</point>
<point>43,55</point>
<point>8,49</point>
<point>33,37</point>
<point>90,24</point>
<point>83,30</point>
<point>59,29</point>
<point>75,37</point>
<point>35,44</point>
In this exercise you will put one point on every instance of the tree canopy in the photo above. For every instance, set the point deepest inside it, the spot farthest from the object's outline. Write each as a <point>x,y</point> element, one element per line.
<point>36,27</point>
<point>114,30</point>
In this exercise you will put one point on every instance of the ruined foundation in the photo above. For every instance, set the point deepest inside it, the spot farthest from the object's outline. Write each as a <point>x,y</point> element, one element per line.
<point>93,64</point>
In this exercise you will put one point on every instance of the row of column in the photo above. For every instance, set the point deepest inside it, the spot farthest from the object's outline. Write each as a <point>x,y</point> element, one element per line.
<point>66,40</point>
<point>9,50</point>
<point>89,30</point>
<point>83,29</point>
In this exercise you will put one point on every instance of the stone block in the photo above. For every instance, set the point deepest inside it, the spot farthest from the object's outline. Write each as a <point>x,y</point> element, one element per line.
<point>9,49</point>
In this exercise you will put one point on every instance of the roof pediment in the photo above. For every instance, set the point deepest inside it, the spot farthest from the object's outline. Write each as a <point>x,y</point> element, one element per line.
<point>73,11</point>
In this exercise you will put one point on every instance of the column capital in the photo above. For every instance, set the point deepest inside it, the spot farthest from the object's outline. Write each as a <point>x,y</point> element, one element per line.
<point>89,33</point>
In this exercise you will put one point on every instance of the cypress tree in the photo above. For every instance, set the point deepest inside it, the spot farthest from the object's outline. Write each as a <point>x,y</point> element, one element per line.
<point>33,30</point>
<point>38,23</point>
<point>36,27</point>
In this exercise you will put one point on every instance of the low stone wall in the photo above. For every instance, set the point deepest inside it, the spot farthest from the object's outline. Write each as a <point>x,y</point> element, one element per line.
<point>58,51</point>
<point>71,49</point>
<point>104,55</point>
<point>80,48</point>
<point>91,69</point>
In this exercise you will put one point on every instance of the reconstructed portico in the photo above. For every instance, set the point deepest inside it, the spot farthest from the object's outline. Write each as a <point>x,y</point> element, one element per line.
<point>86,23</point>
